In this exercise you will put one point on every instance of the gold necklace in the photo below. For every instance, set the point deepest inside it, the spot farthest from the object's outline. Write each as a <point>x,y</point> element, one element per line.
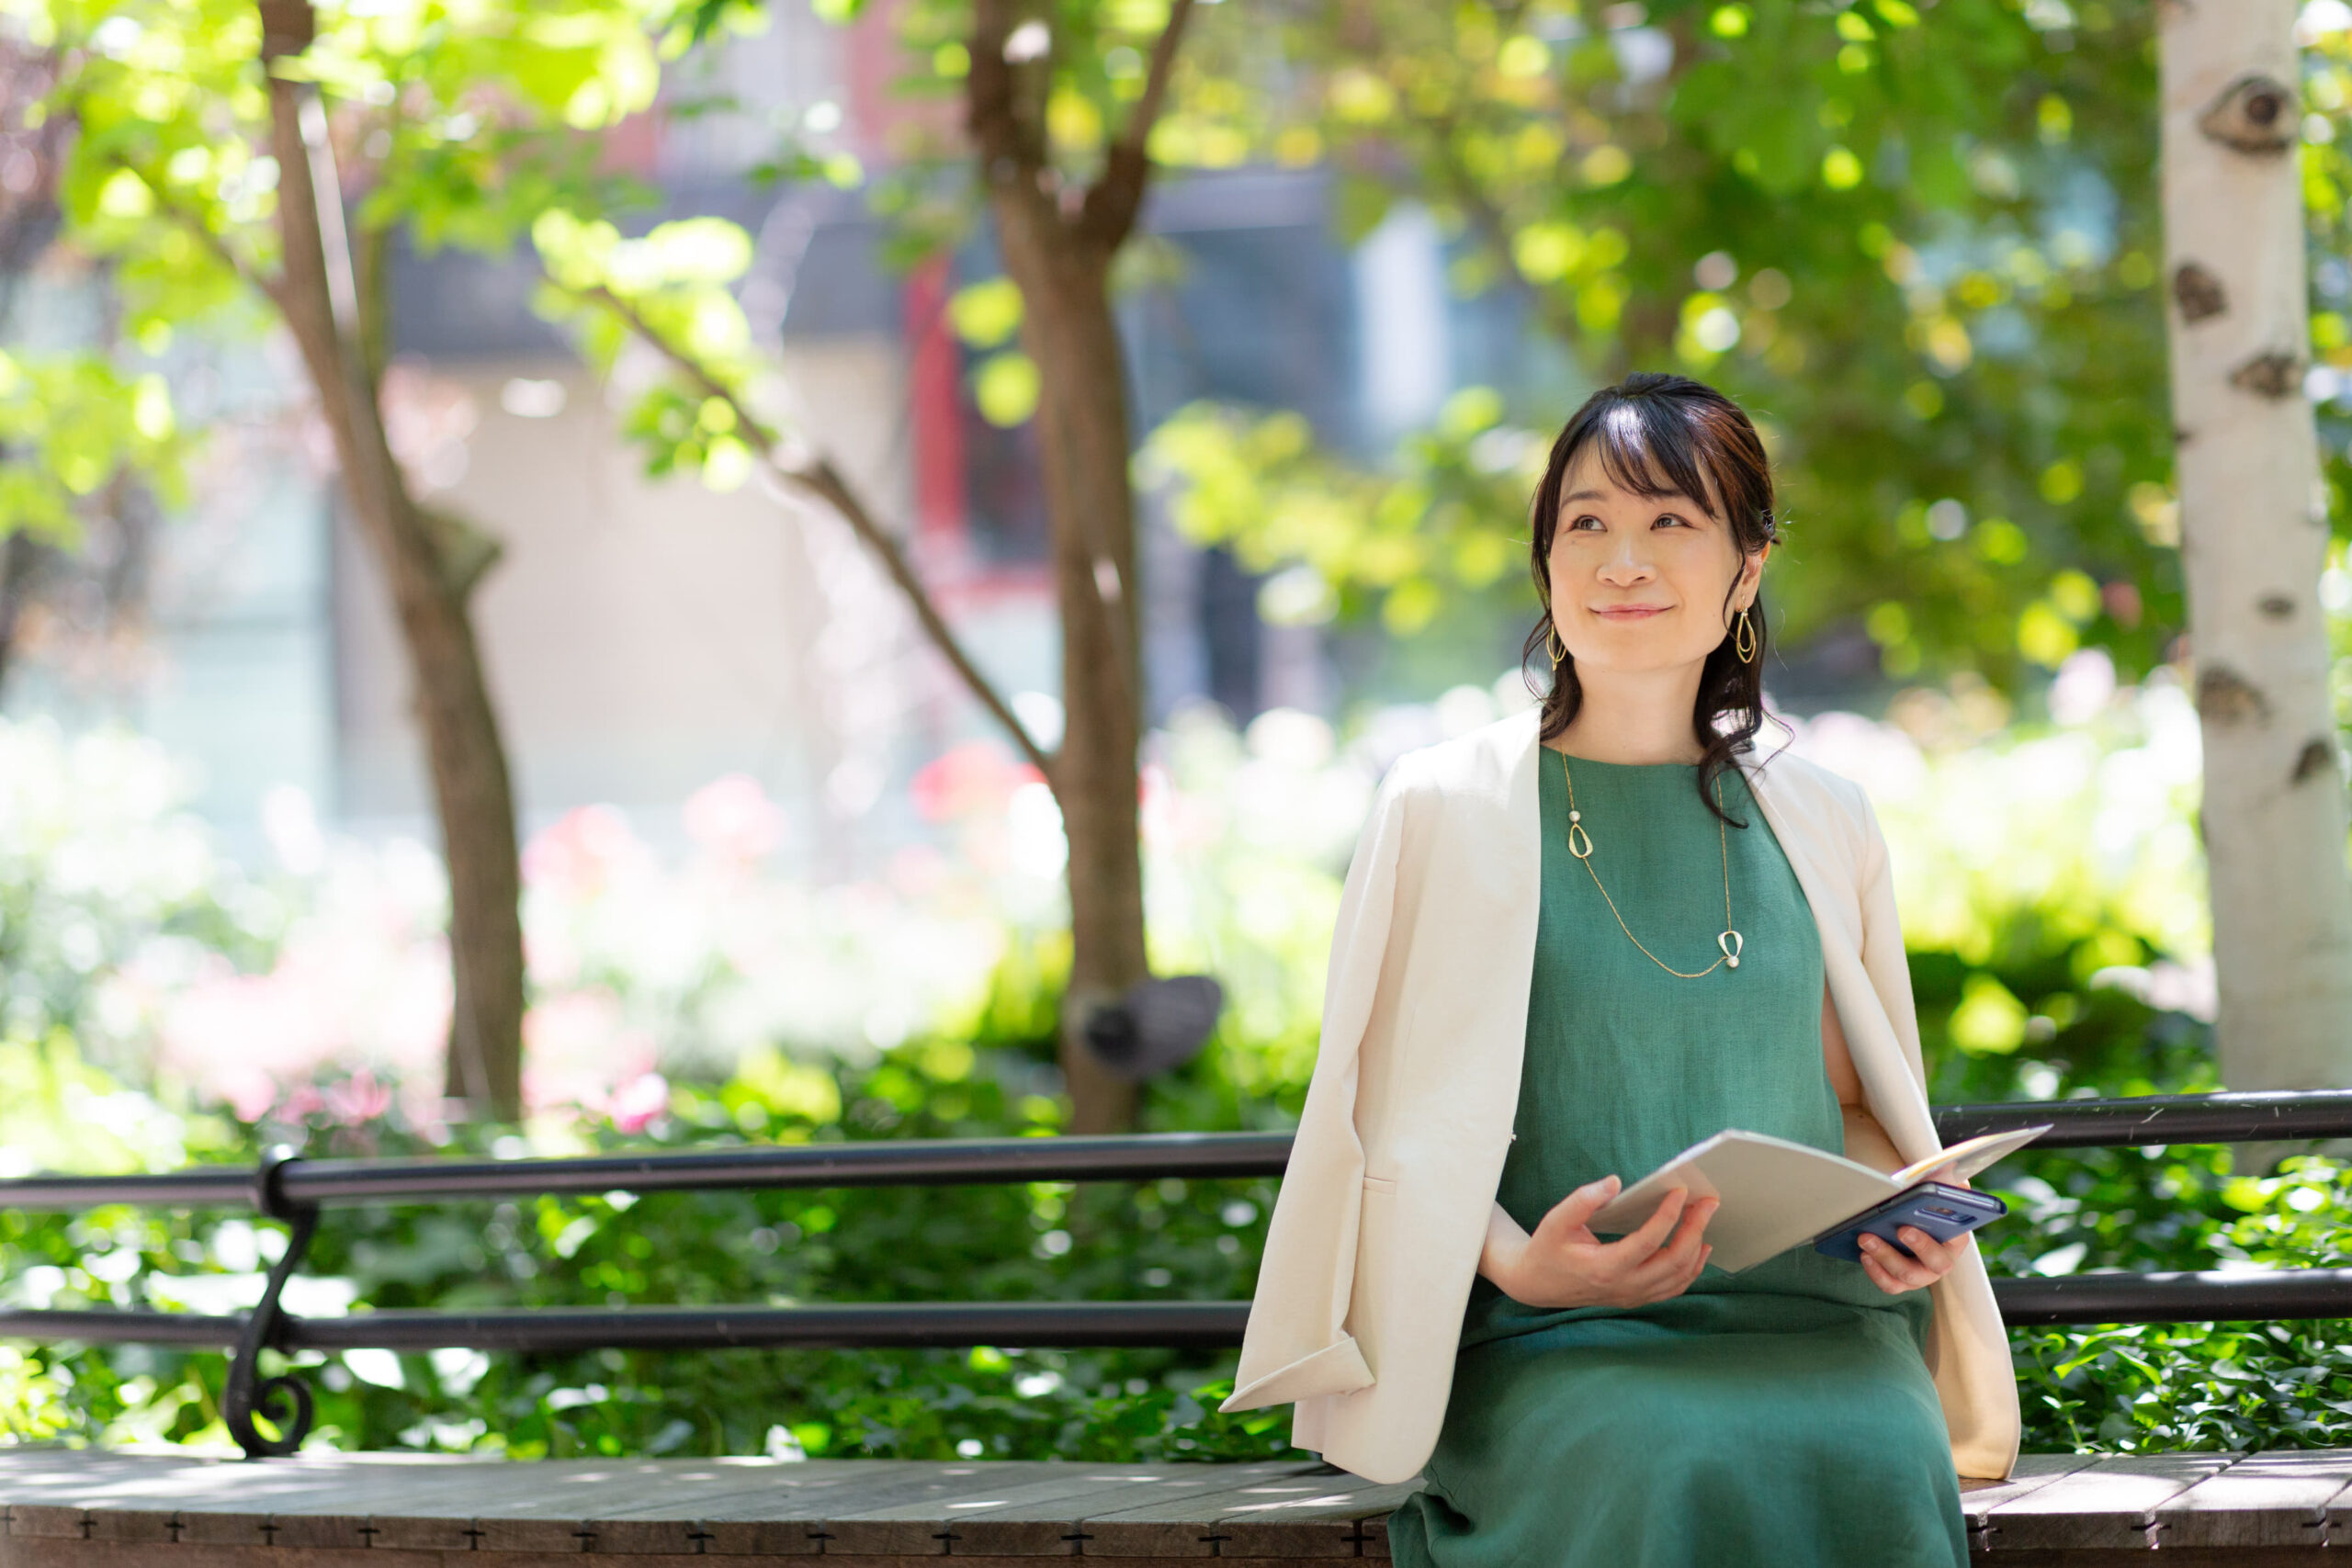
<point>1580,846</point>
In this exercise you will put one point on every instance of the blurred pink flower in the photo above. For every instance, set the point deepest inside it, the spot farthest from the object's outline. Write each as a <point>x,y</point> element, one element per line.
<point>584,853</point>
<point>733,819</point>
<point>639,1101</point>
<point>577,1047</point>
<point>299,1104</point>
<point>977,777</point>
<point>918,871</point>
<point>238,1037</point>
<point>243,1039</point>
<point>358,1099</point>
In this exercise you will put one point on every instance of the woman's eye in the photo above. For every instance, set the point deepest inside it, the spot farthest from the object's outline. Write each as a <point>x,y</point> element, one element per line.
<point>1579,525</point>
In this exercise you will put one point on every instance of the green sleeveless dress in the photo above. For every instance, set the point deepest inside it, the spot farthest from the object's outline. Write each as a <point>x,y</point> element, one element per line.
<point>1780,1415</point>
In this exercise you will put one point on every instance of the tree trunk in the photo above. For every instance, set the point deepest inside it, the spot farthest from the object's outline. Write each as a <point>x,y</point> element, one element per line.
<point>1082,437</point>
<point>2253,537</point>
<point>1058,240</point>
<point>463,749</point>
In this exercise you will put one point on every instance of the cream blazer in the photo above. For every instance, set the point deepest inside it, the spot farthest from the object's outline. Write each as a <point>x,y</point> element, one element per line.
<point>1383,1210</point>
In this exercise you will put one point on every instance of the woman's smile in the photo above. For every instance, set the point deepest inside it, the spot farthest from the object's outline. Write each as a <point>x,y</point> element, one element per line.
<point>1630,612</point>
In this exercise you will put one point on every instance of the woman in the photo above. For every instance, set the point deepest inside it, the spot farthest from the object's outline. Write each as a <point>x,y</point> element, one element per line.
<point>1571,944</point>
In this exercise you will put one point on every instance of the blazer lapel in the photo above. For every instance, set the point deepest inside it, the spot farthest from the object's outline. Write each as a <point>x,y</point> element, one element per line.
<point>1799,820</point>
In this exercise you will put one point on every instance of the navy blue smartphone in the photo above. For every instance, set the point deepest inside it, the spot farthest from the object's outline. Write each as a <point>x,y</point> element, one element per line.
<point>1941,1210</point>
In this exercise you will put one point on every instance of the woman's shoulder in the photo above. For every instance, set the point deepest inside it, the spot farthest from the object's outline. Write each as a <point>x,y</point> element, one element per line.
<point>1799,785</point>
<point>1476,761</point>
<point>1791,771</point>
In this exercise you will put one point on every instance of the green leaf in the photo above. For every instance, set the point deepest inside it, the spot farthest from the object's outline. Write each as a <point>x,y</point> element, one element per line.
<point>986,314</point>
<point>1005,386</point>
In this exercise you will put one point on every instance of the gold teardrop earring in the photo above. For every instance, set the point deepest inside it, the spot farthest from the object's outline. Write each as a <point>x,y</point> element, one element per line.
<point>1552,645</point>
<point>1744,640</point>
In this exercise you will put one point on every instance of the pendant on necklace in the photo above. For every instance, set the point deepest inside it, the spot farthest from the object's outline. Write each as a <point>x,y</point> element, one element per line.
<point>1580,841</point>
<point>1731,943</point>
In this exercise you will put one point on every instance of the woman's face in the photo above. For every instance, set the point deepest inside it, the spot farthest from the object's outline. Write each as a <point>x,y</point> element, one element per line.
<point>1639,582</point>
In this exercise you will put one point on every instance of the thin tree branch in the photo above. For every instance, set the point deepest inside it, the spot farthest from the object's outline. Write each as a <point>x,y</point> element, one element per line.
<point>1155,78</point>
<point>821,479</point>
<point>372,278</point>
<point>371,271</point>
<point>1117,195</point>
<point>271,288</point>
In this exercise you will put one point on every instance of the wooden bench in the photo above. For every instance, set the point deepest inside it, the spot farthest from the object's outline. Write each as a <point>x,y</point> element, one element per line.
<point>173,1509</point>
<point>67,1509</point>
<point>91,1508</point>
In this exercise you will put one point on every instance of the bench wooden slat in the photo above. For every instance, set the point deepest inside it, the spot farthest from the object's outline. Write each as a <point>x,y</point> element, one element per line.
<point>2109,1504</point>
<point>309,1505</point>
<point>767,1508</point>
<point>2266,1499</point>
<point>201,1500</point>
<point>880,1518</point>
<point>1204,1525</point>
<point>2339,1508</point>
<point>420,1509</point>
<point>568,1514</point>
<point>770,1508</point>
<point>578,1513</point>
<point>1980,1496</point>
<point>1346,1526</point>
<point>778,1511</point>
<point>93,1508</point>
<point>1045,1518</point>
<point>1186,1487</point>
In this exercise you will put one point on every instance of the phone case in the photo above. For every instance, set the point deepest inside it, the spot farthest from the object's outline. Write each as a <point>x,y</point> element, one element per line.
<point>1941,1210</point>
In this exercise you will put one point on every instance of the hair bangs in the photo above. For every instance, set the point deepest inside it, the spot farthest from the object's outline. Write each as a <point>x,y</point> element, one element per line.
<point>1647,447</point>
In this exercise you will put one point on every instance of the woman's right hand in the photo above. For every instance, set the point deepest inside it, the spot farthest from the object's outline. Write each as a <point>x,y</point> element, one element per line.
<point>1564,1265</point>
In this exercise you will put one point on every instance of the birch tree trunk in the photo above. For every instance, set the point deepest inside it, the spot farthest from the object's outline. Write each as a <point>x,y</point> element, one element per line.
<point>2253,537</point>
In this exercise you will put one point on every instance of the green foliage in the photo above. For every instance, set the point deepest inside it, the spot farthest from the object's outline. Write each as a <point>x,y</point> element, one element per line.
<point>1169,1240</point>
<point>1430,537</point>
<point>2155,1387</point>
<point>1925,259</point>
<point>985,314</point>
<point>1006,387</point>
<point>72,424</point>
<point>104,883</point>
<point>450,124</point>
<point>461,123</point>
<point>670,288</point>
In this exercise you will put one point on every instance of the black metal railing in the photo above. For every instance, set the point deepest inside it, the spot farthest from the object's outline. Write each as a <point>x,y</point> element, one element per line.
<point>295,1190</point>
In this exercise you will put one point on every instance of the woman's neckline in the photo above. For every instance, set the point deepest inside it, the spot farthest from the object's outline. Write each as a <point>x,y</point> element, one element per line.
<point>1597,762</point>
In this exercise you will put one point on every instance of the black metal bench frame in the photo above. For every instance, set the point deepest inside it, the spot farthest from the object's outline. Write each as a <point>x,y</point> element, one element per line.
<point>294,1190</point>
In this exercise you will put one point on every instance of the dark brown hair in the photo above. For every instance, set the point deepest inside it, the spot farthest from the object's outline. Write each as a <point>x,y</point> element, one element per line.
<point>1656,433</point>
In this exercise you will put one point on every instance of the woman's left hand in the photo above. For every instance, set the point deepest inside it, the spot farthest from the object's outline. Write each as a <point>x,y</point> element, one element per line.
<point>1929,1261</point>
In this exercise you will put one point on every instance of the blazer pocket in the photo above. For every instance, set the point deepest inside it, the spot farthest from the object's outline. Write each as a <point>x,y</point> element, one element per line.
<point>1379,1184</point>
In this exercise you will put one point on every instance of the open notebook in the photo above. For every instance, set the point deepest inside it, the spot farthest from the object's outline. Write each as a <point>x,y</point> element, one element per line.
<point>1777,1193</point>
